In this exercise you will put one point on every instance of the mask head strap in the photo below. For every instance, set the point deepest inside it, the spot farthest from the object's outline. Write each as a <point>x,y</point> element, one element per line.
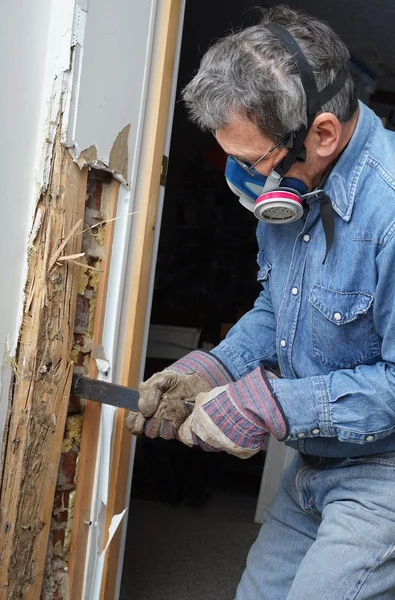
<point>314,99</point>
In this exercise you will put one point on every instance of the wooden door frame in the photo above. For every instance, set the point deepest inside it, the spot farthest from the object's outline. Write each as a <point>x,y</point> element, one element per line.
<point>150,168</point>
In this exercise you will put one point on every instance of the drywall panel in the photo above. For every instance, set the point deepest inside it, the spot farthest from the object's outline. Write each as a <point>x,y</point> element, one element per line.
<point>34,47</point>
<point>106,116</point>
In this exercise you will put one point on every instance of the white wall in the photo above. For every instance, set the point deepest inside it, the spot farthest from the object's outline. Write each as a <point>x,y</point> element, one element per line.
<point>28,56</point>
<point>104,129</point>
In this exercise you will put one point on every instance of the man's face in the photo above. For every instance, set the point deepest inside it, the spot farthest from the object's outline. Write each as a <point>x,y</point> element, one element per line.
<point>244,140</point>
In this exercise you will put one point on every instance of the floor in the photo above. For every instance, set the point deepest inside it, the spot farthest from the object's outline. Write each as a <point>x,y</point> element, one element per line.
<point>190,525</point>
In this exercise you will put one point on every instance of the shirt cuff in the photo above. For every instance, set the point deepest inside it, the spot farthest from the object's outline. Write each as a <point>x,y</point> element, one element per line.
<point>305,403</point>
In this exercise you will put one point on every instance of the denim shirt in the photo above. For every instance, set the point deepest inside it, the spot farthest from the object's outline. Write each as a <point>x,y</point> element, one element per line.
<point>330,327</point>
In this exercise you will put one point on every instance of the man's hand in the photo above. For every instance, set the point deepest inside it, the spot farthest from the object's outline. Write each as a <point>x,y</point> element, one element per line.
<point>164,423</point>
<point>163,396</point>
<point>169,385</point>
<point>236,417</point>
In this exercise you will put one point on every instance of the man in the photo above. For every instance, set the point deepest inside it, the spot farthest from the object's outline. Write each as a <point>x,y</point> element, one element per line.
<point>318,170</point>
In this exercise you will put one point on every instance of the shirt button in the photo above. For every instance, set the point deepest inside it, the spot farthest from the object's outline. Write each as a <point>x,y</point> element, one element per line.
<point>337,316</point>
<point>283,343</point>
<point>295,291</point>
<point>315,431</point>
<point>301,435</point>
<point>369,438</point>
<point>306,237</point>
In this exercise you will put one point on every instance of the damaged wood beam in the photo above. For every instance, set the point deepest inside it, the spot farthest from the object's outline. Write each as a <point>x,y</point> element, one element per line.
<point>92,414</point>
<point>43,372</point>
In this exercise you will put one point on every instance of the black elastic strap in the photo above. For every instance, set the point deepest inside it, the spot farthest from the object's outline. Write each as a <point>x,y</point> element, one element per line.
<point>314,99</point>
<point>328,221</point>
<point>297,151</point>
<point>333,88</point>
<point>303,67</point>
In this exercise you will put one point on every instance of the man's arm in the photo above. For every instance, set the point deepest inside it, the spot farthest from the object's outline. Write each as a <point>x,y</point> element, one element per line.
<point>353,405</point>
<point>252,340</point>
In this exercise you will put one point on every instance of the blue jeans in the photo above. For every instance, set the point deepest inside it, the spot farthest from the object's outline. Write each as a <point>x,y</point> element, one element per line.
<point>328,535</point>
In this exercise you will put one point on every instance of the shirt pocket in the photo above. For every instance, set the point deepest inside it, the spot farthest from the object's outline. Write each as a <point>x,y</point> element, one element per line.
<point>264,267</point>
<point>343,333</point>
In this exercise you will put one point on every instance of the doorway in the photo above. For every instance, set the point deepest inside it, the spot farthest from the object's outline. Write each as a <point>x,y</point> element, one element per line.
<point>191,517</point>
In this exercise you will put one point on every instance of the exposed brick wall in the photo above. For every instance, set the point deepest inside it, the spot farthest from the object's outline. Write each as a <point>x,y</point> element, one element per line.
<point>55,585</point>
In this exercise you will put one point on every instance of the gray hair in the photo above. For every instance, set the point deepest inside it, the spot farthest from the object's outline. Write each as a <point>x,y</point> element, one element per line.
<point>250,73</point>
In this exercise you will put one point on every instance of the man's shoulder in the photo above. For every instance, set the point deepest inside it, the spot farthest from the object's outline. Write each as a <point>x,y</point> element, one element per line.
<point>374,208</point>
<point>381,155</point>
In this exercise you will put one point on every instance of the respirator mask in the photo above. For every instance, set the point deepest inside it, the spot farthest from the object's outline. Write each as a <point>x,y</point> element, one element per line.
<point>276,198</point>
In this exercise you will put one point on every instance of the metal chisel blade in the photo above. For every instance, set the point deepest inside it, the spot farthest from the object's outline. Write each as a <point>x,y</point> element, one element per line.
<point>104,392</point>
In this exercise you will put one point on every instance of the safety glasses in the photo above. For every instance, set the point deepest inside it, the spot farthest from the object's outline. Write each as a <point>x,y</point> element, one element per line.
<point>251,168</point>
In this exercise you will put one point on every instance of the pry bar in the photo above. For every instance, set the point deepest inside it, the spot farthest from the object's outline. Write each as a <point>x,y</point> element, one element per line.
<point>104,392</point>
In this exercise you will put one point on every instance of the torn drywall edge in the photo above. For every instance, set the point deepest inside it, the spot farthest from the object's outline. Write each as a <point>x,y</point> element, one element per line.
<point>89,158</point>
<point>97,525</point>
<point>98,575</point>
<point>119,153</point>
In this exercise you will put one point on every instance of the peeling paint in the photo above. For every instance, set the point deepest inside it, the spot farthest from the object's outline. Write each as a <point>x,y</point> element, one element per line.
<point>87,157</point>
<point>119,152</point>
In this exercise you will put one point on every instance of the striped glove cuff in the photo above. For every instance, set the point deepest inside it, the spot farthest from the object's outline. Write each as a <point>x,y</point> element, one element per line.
<point>208,366</point>
<point>254,398</point>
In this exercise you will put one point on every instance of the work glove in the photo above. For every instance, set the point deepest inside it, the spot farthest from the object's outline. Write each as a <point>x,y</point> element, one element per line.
<point>163,397</point>
<point>236,417</point>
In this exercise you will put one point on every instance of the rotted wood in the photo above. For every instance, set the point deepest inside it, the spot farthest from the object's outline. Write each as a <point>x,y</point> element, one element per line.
<point>92,414</point>
<point>43,373</point>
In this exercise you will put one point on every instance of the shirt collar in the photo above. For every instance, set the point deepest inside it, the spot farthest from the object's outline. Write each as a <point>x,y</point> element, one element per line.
<point>342,181</point>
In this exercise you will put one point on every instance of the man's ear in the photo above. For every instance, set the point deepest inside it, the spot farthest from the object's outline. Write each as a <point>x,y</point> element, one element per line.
<point>326,134</point>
